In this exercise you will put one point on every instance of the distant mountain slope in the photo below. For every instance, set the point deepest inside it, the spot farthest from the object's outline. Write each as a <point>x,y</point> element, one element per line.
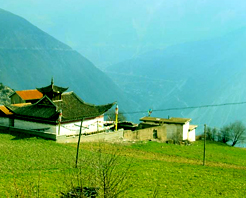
<point>191,74</point>
<point>29,58</point>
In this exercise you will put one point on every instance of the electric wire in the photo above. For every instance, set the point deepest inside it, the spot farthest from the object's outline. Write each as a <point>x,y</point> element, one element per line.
<point>184,108</point>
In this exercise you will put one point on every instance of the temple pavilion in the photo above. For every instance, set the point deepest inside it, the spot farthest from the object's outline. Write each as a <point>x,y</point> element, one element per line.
<point>56,111</point>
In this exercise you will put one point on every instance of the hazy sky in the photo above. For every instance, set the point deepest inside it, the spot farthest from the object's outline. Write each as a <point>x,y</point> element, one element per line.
<point>109,31</point>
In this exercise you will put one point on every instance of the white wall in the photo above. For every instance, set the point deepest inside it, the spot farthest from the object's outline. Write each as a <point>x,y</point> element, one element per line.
<point>192,135</point>
<point>92,125</point>
<point>34,125</point>
<point>65,129</point>
<point>186,130</point>
<point>4,121</point>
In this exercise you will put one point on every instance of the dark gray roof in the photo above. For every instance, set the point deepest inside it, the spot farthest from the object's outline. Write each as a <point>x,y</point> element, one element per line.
<point>52,88</point>
<point>40,111</point>
<point>73,108</point>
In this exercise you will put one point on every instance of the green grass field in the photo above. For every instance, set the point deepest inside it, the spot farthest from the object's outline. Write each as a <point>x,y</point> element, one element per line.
<point>33,167</point>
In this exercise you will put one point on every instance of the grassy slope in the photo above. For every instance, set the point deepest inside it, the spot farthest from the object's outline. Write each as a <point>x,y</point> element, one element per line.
<point>36,166</point>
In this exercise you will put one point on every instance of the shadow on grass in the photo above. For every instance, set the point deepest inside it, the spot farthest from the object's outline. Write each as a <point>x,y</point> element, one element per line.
<point>19,135</point>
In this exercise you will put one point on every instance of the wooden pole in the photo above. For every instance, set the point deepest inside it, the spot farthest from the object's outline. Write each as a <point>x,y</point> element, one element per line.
<point>204,152</point>
<point>77,155</point>
<point>116,117</point>
<point>116,122</point>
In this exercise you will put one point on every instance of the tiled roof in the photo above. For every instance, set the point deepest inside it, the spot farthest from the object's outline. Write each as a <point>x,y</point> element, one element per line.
<point>5,110</point>
<point>73,108</point>
<point>35,111</point>
<point>21,104</point>
<point>52,88</point>
<point>30,94</point>
<point>164,120</point>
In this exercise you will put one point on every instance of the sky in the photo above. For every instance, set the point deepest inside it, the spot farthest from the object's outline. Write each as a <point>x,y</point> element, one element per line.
<point>109,31</point>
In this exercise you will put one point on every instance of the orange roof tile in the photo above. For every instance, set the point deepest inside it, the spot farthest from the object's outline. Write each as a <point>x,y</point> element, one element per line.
<point>5,110</point>
<point>30,94</point>
<point>21,104</point>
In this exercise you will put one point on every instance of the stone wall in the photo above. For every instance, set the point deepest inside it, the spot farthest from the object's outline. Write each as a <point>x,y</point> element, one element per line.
<point>156,132</point>
<point>174,131</point>
<point>99,137</point>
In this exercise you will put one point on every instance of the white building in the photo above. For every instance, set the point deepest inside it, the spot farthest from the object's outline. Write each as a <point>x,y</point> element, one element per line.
<point>175,127</point>
<point>57,112</point>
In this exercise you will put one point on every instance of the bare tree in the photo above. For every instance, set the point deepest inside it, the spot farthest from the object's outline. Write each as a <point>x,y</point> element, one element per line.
<point>111,116</point>
<point>212,133</point>
<point>234,132</point>
<point>103,172</point>
<point>112,173</point>
<point>223,135</point>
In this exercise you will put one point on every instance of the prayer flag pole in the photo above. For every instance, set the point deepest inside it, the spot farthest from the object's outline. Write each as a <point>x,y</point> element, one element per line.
<point>116,117</point>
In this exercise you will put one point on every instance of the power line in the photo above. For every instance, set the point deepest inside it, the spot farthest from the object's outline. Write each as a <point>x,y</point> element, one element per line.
<point>184,108</point>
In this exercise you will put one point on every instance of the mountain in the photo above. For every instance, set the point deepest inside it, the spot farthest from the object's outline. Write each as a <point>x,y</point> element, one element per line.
<point>29,58</point>
<point>108,34</point>
<point>207,72</point>
<point>5,92</point>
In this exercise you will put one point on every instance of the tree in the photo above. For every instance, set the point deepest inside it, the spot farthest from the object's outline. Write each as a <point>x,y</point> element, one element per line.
<point>103,172</point>
<point>212,133</point>
<point>223,135</point>
<point>234,132</point>
<point>110,116</point>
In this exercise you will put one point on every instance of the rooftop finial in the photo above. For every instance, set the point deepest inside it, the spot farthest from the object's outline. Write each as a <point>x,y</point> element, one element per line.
<point>52,81</point>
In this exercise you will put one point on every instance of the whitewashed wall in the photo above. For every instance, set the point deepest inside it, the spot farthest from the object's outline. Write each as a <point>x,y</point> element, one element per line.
<point>4,121</point>
<point>34,125</point>
<point>63,129</point>
<point>192,135</point>
<point>92,125</point>
<point>186,130</point>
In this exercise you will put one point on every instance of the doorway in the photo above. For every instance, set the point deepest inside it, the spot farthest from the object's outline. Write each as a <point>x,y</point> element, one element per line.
<point>155,134</point>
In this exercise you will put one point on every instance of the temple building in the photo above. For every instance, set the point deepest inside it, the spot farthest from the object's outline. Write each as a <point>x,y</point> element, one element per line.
<point>25,96</point>
<point>55,112</point>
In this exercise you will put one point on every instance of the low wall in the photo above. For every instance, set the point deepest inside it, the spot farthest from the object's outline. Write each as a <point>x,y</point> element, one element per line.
<point>104,136</point>
<point>147,134</point>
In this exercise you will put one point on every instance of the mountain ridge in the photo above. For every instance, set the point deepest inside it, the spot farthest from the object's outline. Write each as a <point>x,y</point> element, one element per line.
<point>29,58</point>
<point>191,74</point>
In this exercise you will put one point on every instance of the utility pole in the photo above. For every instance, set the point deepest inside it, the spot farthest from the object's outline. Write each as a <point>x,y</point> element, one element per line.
<point>204,152</point>
<point>80,131</point>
